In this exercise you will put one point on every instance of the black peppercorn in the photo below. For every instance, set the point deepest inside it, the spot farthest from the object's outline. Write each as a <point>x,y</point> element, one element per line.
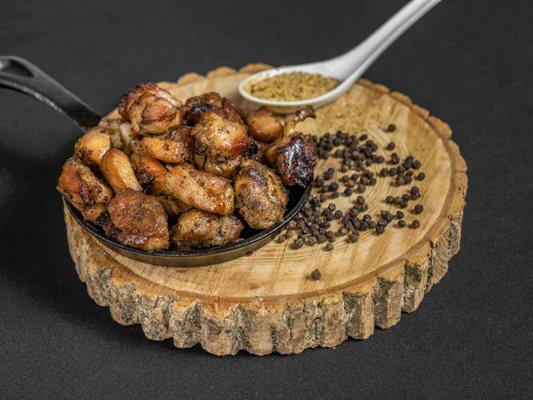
<point>415,224</point>
<point>401,223</point>
<point>419,208</point>
<point>391,128</point>
<point>316,275</point>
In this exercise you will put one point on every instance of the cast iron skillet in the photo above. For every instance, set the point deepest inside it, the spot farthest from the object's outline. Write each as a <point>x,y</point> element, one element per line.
<point>19,74</point>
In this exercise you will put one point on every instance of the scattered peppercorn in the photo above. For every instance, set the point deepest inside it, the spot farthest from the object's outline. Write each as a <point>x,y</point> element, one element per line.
<point>401,223</point>
<point>415,224</point>
<point>316,275</point>
<point>328,247</point>
<point>418,209</point>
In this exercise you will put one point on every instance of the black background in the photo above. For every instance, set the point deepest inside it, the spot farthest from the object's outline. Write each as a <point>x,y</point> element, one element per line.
<point>469,62</point>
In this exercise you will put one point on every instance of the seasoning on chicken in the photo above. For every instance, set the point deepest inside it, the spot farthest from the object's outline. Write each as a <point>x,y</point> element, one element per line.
<point>219,144</point>
<point>118,171</point>
<point>172,205</point>
<point>138,220</point>
<point>83,189</point>
<point>196,189</point>
<point>259,195</point>
<point>147,168</point>
<point>263,125</point>
<point>132,95</point>
<point>174,147</point>
<point>150,109</point>
<point>197,229</point>
<point>197,106</point>
<point>92,146</point>
<point>294,157</point>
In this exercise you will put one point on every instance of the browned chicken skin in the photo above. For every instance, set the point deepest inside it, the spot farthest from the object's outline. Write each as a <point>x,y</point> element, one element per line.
<point>83,189</point>
<point>263,125</point>
<point>138,220</point>
<point>175,147</point>
<point>219,144</point>
<point>294,158</point>
<point>118,171</point>
<point>196,189</point>
<point>197,106</point>
<point>147,168</point>
<point>196,229</point>
<point>150,109</point>
<point>259,195</point>
<point>92,146</point>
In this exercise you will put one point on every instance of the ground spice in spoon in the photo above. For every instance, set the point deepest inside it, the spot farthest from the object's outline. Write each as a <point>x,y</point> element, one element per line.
<point>292,86</point>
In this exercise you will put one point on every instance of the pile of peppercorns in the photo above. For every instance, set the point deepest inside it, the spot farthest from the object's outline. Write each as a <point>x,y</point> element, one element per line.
<point>313,224</point>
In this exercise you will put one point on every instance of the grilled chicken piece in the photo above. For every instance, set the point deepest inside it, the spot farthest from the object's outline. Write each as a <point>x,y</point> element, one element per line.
<point>294,157</point>
<point>150,109</point>
<point>263,125</point>
<point>260,196</point>
<point>129,139</point>
<point>172,205</point>
<point>196,229</point>
<point>138,220</point>
<point>175,147</point>
<point>220,167</point>
<point>197,106</point>
<point>132,95</point>
<point>118,172</point>
<point>196,189</point>
<point>147,168</point>
<point>218,141</point>
<point>92,146</point>
<point>83,189</point>
<point>298,116</point>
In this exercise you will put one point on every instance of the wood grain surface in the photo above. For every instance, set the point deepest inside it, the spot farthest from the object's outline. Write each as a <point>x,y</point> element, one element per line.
<point>266,302</point>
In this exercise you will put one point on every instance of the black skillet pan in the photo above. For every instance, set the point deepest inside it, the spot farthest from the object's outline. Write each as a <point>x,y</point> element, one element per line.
<point>19,74</point>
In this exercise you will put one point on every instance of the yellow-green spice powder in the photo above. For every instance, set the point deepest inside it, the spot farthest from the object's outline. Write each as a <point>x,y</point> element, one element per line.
<point>293,86</point>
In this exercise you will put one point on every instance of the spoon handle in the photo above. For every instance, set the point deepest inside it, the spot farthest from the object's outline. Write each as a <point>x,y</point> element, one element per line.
<point>20,75</point>
<point>352,64</point>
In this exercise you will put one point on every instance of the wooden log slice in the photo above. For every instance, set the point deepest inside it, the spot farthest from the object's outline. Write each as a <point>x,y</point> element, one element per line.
<point>266,302</point>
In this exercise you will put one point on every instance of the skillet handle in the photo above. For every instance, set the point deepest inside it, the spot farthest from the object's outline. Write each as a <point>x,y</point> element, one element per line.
<point>20,75</point>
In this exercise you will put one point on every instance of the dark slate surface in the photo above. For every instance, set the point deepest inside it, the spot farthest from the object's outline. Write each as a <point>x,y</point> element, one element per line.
<point>469,62</point>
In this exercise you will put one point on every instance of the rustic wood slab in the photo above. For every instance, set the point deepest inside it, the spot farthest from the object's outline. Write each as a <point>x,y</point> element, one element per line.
<point>266,302</point>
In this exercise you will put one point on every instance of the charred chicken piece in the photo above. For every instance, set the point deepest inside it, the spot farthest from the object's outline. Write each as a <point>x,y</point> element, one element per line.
<point>294,157</point>
<point>298,116</point>
<point>92,146</point>
<point>217,142</point>
<point>175,147</point>
<point>197,106</point>
<point>260,196</point>
<point>257,151</point>
<point>263,125</point>
<point>83,189</point>
<point>197,229</point>
<point>196,189</point>
<point>147,168</point>
<point>138,220</point>
<point>118,171</point>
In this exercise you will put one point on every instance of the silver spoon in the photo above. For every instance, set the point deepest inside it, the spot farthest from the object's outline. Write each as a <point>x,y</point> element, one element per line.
<point>346,68</point>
